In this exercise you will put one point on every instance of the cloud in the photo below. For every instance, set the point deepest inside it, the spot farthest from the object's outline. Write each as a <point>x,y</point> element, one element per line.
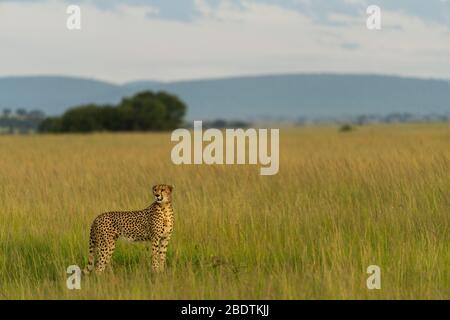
<point>134,40</point>
<point>350,45</point>
<point>319,10</point>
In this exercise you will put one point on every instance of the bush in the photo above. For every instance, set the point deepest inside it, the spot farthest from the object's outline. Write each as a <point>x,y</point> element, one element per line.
<point>346,128</point>
<point>146,111</point>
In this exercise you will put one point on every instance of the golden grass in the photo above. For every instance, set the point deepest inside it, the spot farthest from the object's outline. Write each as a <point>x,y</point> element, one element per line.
<point>341,202</point>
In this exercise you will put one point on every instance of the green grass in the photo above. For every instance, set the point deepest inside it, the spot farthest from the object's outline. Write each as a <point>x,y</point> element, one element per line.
<point>341,202</point>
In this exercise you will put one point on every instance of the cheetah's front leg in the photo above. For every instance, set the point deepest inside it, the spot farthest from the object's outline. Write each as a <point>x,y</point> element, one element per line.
<point>155,254</point>
<point>164,242</point>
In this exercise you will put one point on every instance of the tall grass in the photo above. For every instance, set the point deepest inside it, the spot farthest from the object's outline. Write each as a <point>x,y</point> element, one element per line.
<point>341,202</point>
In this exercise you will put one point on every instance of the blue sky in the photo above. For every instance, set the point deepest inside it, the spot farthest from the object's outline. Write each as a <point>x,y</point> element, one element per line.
<point>185,10</point>
<point>184,39</point>
<point>435,10</point>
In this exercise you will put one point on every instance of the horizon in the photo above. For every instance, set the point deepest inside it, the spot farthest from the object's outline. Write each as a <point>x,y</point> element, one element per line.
<point>298,95</point>
<point>227,77</point>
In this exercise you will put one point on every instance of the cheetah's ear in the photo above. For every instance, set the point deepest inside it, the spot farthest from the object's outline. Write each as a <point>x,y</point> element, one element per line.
<point>170,188</point>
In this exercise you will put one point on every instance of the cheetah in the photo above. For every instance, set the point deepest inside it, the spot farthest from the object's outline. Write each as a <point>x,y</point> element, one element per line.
<point>154,224</point>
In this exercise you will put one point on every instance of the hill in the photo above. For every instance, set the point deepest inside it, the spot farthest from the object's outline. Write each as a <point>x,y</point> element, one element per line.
<point>250,97</point>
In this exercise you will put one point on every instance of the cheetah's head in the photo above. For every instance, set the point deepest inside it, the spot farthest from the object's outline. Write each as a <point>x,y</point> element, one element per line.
<point>162,192</point>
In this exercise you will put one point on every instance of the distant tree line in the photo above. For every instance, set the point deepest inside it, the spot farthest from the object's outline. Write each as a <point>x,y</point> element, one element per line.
<point>371,118</point>
<point>145,111</point>
<point>20,120</point>
<point>224,124</point>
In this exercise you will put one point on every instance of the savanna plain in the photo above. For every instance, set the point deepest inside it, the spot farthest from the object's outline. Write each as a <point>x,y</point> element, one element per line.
<point>377,195</point>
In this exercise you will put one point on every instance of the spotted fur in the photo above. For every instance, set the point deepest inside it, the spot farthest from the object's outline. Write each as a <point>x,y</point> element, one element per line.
<point>154,224</point>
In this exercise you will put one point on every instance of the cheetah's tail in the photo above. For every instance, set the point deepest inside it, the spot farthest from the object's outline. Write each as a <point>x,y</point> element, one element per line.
<point>91,257</point>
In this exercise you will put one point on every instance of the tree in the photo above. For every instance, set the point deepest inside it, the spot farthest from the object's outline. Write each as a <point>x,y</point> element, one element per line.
<point>82,119</point>
<point>145,111</point>
<point>51,125</point>
<point>176,109</point>
<point>7,112</point>
<point>21,112</point>
<point>36,114</point>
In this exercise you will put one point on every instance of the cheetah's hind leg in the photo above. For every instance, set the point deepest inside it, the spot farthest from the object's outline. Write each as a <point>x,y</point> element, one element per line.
<point>91,258</point>
<point>104,254</point>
